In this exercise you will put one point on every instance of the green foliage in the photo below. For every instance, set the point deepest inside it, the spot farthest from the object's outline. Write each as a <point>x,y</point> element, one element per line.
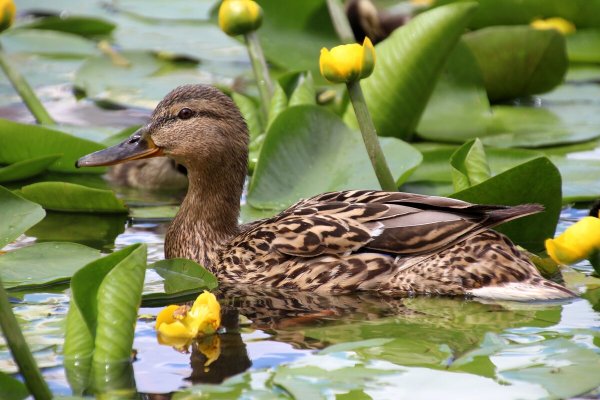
<point>469,165</point>
<point>47,43</point>
<point>536,181</point>
<point>23,142</point>
<point>16,216</point>
<point>103,311</point>
<point>69,197</point>
<point>27,168</point>
<point>518,61</point>
<point>409,63</point>
<point>12,388</point>
<point>79,25</point>
<point>181,278</point>
<point>309,150</point>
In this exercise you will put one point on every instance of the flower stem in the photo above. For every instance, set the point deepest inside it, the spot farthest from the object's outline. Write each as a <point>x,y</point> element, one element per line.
<point>340,21</point>
<point>27,94</point>
<point>20,351</point>
<point>386,181</point>
<point>261,72</point>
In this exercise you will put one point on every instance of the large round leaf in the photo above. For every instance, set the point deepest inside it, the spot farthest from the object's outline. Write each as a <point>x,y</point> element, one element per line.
<point>69,197</point>
<point>16,216</point>
<point>47,43</point>
<point>293,32</point>
<point>54,263</point>
<point>309,150</point>
<point>22,142</point>
<point>518,61</point>
<point>536,181</point>
<point>409,63</point>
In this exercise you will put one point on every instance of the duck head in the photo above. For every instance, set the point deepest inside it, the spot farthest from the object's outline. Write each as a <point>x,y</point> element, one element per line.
<point>196,125</point>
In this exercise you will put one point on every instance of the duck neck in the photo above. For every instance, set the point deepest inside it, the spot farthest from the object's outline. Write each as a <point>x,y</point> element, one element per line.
<point>208,217</point>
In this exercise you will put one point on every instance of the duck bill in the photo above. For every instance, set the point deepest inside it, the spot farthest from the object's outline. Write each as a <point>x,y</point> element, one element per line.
<point>137,146</point>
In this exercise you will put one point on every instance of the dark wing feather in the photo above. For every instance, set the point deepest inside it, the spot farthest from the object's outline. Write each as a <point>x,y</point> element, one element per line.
<point>391,222</point>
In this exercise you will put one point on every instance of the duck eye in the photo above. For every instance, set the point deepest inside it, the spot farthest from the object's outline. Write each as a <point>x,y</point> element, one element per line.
<point>185,113</point>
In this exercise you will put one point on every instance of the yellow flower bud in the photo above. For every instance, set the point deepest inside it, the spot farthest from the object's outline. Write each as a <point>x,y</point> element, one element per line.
<point>577,243</point>
<point>177,324</point>
<point>7,14</point>
<point>560,24</point>
<point>348,63</point>
<point>237,17</point>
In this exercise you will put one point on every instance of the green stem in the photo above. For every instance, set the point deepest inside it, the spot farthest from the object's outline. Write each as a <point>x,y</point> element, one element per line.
<point>20,351</point>
<point>370,138</point>
<point>261,72</point>
<point>340,21</point>
<point>27,94</point>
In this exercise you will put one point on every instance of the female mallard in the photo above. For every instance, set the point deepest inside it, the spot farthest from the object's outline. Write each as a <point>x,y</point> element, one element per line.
<point>361,240</point>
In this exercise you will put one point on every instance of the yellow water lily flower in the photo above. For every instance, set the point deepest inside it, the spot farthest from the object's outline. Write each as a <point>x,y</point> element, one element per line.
<point>176,325</point>
<point>578,242</point>
<point>348,63</point>
<point>7,14</point>
<point>560,24</point>
<point>237,17</point>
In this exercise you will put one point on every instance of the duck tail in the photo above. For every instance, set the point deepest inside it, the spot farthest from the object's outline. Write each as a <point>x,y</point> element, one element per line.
<point>502,215</point>
<point>538,289</point>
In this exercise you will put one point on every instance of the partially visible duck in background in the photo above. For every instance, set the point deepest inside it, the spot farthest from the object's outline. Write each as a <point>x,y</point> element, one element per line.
<point>340,242</point>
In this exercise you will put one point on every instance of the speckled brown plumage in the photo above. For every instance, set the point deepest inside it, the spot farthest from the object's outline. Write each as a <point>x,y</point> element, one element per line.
<point>363,240</point>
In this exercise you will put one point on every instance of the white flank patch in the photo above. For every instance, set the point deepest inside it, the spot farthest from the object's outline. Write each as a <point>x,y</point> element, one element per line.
<point>519,291</point>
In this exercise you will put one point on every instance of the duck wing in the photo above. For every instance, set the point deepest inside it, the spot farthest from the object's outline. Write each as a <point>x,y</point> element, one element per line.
<point>396,223</point>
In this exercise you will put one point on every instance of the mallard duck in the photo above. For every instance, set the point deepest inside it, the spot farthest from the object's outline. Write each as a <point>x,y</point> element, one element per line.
<point>340,242</point>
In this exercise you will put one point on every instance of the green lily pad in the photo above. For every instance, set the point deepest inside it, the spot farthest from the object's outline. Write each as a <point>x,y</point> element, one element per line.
<point>144,82</point>
<point>16,216</point>
<point>518,61</point>
<point>309,150</point>
<point>580,178</point>
<point>78,25</point>
<point>60,261</point>
<point>69,197</point>
<point>106,295</point>
<point>22,142</point>
<point>27,168</point>
<point>12,388</point>
<point>48,43</point>
<point>409,63</point>
<point>177,9</point>
<point>181,277</point>
<point>293,33</point>
<point>459,108</point>
<point>536,181</point>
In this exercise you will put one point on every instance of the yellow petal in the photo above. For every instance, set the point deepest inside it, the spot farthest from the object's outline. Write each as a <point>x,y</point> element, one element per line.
<point>165,316</point>
<point>368,58</point>
<point>7,14</point>
<point>177,329</point>
<point>237,17</point>
<point>577,242</point>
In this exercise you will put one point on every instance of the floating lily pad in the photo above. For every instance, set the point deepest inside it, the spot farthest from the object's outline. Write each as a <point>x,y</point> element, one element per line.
<point>146,80</point>
<point>60,261</point>
<point>27,168</point>
<point>409,63</point>
<point>309,150</point>
<point>518,61</point>
<point>47,43</point>
<point>22,142</point>
<point>177,9</point>
<point>69,197</point>
<point>78,25</point>
<point>16,216</point>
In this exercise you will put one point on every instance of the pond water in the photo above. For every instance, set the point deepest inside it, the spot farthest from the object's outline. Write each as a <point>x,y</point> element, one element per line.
<point>279,344</point>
